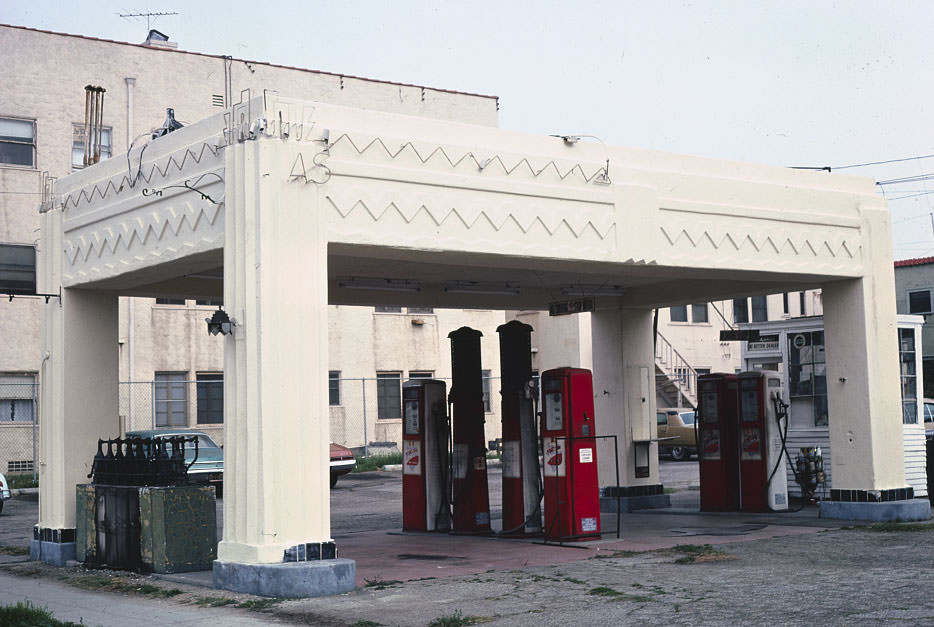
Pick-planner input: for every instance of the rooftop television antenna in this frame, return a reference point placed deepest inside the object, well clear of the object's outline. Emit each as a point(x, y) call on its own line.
point(148, 16)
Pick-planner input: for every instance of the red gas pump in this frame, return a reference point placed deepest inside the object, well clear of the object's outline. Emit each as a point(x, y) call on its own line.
point(717, 446)
point(425, 460)
point(470, 495)
point(740, 447)
point(522, 489)
point(571, 482)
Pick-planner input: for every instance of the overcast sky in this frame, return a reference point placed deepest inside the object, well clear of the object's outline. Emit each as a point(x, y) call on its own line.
point(788, 82)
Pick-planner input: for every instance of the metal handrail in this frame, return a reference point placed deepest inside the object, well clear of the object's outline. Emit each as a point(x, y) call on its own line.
point(677, 369)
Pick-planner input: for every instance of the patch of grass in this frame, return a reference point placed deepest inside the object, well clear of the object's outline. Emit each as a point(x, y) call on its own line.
point(375, 462)
point(381, 584)
point(259, 605)
point(573, 580)
point(25, 614)
point(213, 601)
point(697, 553)
point(20, 481)
point(117, 584)
point(366, 623)
point(616, 595)
point(14, 550)
point(458, 620)
point(896, 526)
point(669, 490)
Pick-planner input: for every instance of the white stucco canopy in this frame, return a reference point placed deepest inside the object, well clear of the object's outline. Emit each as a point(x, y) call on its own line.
point(284, 206)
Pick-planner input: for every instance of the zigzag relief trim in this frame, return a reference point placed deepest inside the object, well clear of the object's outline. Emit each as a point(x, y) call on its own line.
point(119, 266)
point(88, 194)
point(481, 164)
point(140, 230)
point(479, 216)
point(765, 242)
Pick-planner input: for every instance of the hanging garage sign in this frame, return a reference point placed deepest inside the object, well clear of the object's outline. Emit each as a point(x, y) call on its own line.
point(17, 269)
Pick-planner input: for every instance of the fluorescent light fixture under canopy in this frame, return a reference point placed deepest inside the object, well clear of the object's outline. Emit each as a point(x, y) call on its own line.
point(385, 285)
point(478, 287)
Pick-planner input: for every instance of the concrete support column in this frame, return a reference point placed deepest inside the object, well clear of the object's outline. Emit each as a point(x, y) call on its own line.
point(277, 539)
point(624, 404)
point(863, 390)
point(78, 395)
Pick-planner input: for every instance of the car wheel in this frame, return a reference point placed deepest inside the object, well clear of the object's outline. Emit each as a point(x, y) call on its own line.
point(333, 480)
point(679, 453)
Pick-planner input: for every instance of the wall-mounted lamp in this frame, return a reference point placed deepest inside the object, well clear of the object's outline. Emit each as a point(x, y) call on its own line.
point(602, 178)
point(221, 323)
point(477, 287)
point(385, 285)
point(581, 289)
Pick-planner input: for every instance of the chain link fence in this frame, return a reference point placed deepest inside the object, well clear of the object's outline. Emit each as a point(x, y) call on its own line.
point(365, 413)
point(19, 428)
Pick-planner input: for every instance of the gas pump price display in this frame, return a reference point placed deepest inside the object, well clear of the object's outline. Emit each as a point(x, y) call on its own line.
point(553, 409)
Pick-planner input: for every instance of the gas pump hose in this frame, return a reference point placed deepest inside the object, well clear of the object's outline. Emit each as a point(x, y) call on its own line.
point(781, 411)
point(537, 512)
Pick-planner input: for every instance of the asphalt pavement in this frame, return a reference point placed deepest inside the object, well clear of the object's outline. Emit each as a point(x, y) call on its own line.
point(670, 567)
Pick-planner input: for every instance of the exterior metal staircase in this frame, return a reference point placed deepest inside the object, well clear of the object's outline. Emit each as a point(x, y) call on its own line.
point(675, 379)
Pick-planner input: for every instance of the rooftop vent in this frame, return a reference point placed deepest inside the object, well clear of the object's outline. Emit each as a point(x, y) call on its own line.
point(156, 39)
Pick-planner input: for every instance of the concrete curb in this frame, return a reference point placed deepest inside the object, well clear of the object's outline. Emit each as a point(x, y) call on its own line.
point(22, 491)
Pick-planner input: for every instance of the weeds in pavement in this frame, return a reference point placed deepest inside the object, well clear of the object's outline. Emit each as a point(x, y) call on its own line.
point(375, 462)
point(897, 526)
point(458, 620)
point(616, 595)
point(213, 601)
point(25, 614)
point(366, 623)
point(697, 553)
point(258, 605)
point(117, 584)
point(14, 550)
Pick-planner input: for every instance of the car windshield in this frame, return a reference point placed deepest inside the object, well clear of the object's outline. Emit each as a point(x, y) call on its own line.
point(687, 417)
point(203, 442)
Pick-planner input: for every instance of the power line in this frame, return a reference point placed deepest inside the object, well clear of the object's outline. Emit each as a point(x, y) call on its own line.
point(862, 165)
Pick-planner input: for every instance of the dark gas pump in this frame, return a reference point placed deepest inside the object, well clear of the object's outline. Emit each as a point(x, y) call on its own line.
point(470, 492)
point(522, 489)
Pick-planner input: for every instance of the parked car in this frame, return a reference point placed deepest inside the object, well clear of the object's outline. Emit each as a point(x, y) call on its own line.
point(929, 418)
point(342, 462)
point(676, 435)
point(209, 467)
point(4, 491)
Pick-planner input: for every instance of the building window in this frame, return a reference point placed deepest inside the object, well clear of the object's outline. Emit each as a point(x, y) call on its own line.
point(679, 313)
point(785, 309)
point(699, 313)
point(77, 146)
point(740, 310)
point(420, 310)
point(389, 395)
point(802, 302)
point(807, 378)
point(171, 399)
point(487, 405)
point(208, 303)
point(16, 398)
point(421, 375)
point(170, 301)
point(387, 309)
point(760, 308)
point(210, 389)
point(334, 387)
point(17, 269)
point(919, 302)
point(18, 142)
point(909, 376)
